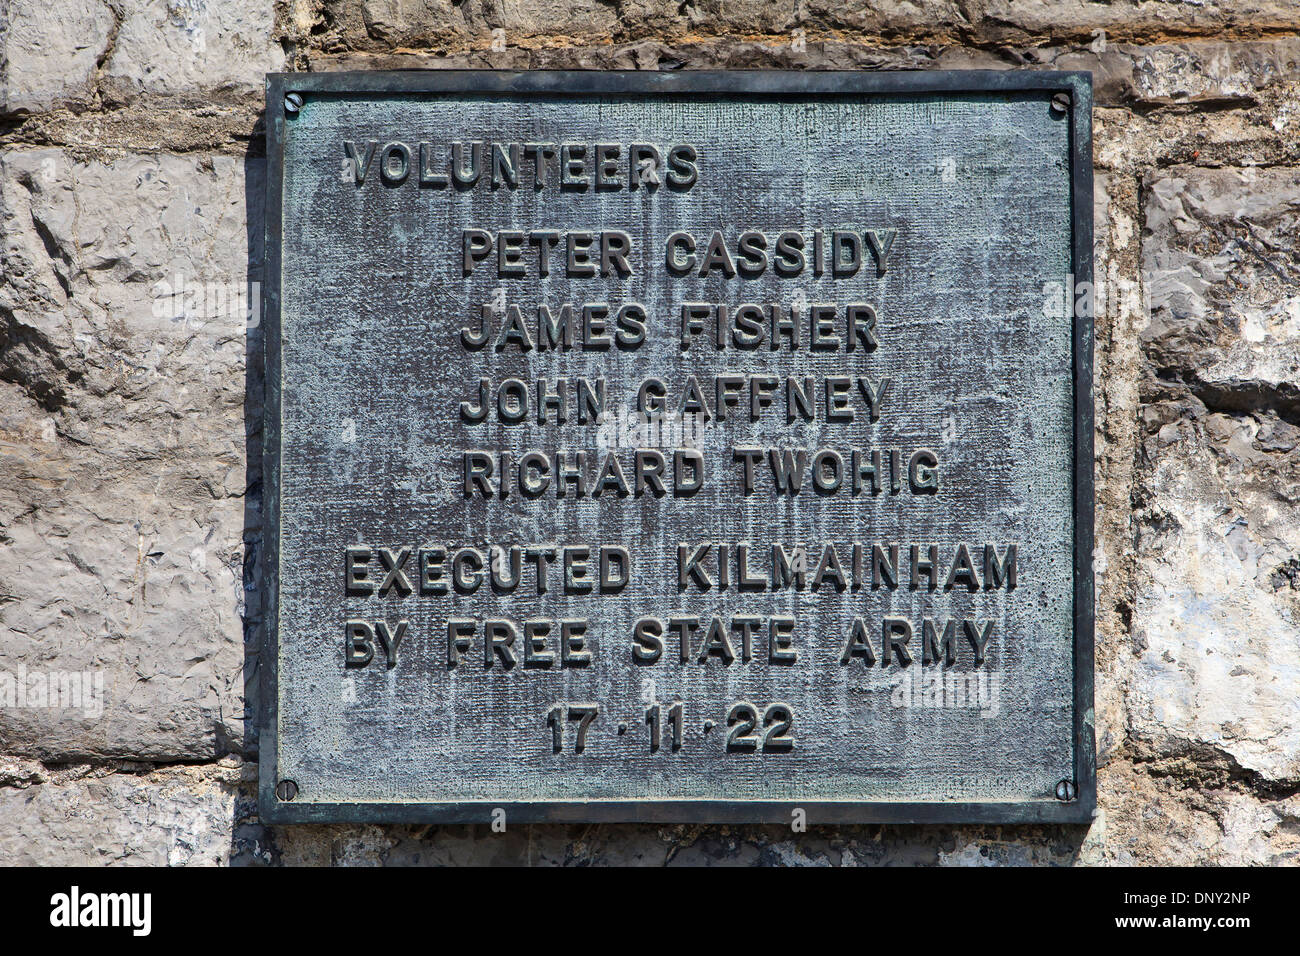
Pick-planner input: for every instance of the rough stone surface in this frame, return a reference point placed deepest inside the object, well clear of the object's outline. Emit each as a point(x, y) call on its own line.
point(86, 815)
point(77, 54)
point(1223, 285)
point(122, 505)
point(1217, 619)
point(383, 24)
point(130, 139)
point(196, 49)
point(50, 51)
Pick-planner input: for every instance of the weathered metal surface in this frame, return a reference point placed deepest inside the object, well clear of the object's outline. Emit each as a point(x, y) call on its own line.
point(983, 182)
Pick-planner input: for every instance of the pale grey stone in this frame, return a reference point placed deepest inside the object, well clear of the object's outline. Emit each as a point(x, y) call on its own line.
point(1217, 619)
point(1224, 292)
point(1200, 72)
point(122, 489)
point(1214, 72)
point(400, 21)
point(192, 49)
point(172, 818)
point(49, 52)
point(1150, 20)
point(382, 25)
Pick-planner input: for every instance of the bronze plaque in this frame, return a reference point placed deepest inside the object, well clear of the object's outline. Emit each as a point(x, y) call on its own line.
point(692, 447)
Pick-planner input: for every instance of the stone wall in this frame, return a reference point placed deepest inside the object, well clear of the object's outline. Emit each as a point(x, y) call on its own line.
point(131, 163)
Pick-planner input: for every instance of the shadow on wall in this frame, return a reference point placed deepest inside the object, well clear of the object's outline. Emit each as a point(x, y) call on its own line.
point(545, 844)
point(254, 388)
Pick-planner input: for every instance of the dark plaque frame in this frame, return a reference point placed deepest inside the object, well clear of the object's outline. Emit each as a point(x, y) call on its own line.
point(1077, 799)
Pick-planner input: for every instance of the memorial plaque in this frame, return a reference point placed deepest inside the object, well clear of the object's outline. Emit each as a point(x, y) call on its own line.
point(678, 447)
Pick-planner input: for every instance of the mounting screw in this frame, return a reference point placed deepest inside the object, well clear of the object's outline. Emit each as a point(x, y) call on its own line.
point(292, 102)
point(286, 790)
point(1061, 103)
point(1065, 791)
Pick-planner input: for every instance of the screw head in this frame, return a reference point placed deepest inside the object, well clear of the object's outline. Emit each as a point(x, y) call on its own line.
point(1066, 791)
point(292, 102)
point(1061, 104)
point(286, 790)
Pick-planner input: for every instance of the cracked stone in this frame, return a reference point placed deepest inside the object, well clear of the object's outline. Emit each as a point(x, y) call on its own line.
point(50, 52)
point(124, 330)
point(194, 50)
point(1224, 288)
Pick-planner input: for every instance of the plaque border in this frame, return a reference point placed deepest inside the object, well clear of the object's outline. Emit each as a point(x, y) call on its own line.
point(1076, 84)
